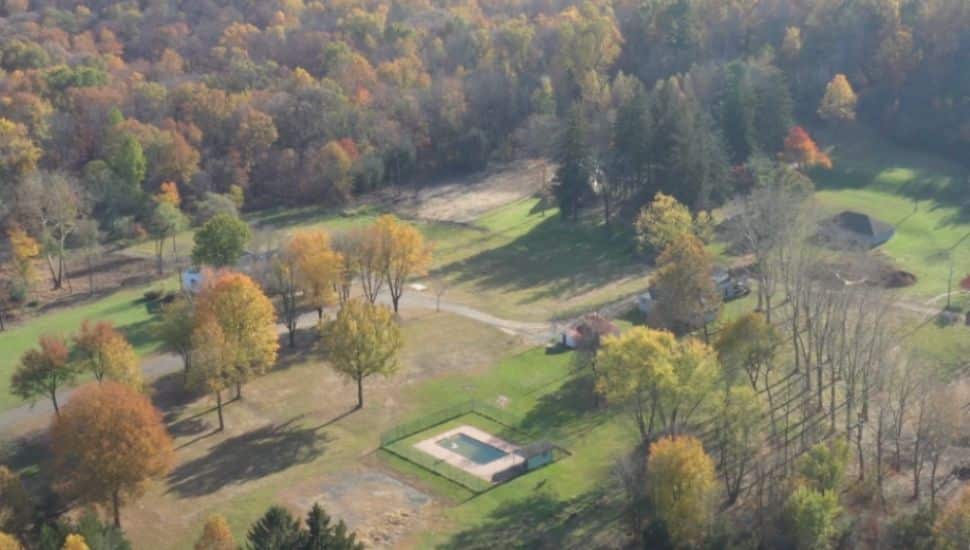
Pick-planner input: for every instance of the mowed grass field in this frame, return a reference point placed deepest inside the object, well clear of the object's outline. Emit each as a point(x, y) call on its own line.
point(517, 261)
point(124, 308)
point(294, 440)
point(926, 198)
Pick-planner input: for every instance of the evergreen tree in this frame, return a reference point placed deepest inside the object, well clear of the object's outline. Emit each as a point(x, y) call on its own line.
point(572, 182)
point(323, 535)
point(276, 530)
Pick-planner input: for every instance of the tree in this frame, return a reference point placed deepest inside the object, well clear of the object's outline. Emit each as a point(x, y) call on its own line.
point(323, 535)
point(661, 222)
point(75, 542)
point(361, 249)
point(686, 294)
point(103, 351)
point(739, 436)
point(18, 152)
point(175, 329)
point(952, 528)
point(213, 362)
point(362, 341)
point(43, 370)
point(747, 345)
point(16, 510)
point(109, 442)
point(216, 535)
point(221, 241)
point(838, 103)
point(317, 266)
point(57, 203)
point(23, 249)
point(128, 162)
point(801, 150)
point(572, 181)
point(682, 488)
point(8, 542)
point(88, 238)
point(247, 320)
point(403, 252)
point(811, 517)
point(165, 223)
point(276, 530)
point(823, 466)
point(632, 368)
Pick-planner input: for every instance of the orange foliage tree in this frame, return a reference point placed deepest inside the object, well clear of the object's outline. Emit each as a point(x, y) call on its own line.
point(43, 370)
point(108, 444)
point(216, 535)
point(104, 351)
point(403, 254)
point(801, 149)
point(247, 320)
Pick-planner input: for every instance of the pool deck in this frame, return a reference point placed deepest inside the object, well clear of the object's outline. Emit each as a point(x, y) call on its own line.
point(484, 471)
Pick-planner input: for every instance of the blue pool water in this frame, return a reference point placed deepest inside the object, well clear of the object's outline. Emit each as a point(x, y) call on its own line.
point(477, 451)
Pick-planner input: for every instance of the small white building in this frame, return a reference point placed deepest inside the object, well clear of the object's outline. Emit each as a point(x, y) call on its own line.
point(192, 279)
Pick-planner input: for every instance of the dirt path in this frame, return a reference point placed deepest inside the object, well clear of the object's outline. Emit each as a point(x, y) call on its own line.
point(159, 365)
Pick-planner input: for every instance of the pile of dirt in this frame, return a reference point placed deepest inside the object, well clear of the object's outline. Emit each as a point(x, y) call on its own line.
point(899, 279)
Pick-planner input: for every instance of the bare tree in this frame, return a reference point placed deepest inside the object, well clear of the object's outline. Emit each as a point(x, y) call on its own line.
point(54, 204)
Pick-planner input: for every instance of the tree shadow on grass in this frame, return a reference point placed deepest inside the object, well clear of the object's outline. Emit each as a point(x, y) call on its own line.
point(250, 456)
point(540, 521)
point(143, 333)
point(569, 411)
point(556, 258)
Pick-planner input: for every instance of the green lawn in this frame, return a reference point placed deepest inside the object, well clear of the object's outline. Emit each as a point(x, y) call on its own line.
point(125, 309)
point(924, 197)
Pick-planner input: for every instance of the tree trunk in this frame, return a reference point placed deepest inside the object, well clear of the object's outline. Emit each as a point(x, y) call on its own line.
point(159, 252)
point(360, 392)
point(320, 313)
point(90, 275)
point(395, 298)
point(116, 504)
point(222, 425)
point(57, 410)
point(239, 390)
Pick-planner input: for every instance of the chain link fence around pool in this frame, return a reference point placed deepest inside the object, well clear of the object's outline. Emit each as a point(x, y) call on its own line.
point(415, 457)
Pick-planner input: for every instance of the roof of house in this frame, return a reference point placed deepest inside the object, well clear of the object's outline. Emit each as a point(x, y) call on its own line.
point(860, 224)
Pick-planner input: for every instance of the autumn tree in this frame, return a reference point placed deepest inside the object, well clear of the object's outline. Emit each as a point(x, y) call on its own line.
point(632, 369)
point(18, 152)
point(362, 341)
point(16, 510)
point(221, 241)
point(682, 488)
point(57, 203)
point(44, 370)
point(247, 321)
point(108, 444)
point(739, 419)
point(661, 222)
point(175, 329)
point(686, 294)
point(23, 249)
point(106, 353)
point(838, 103)
point(213, 362)
point(748, 345)
point(403, 254)
point(362, 252)
point(8, 542)
point(801, 150)
point(216, 535)
point(75, 542)
point(317, 267)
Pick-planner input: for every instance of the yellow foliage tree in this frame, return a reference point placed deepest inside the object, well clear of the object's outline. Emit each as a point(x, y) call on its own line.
point(24, 249)
point(664, 220)
point(634, 367)
point(103, 351)
point(216, 535)
point(7, 542)
point(318, 266)
point(247, 320)
point(839, 101)
point(687, 295)
point(75, 542)
point(403, 253)
point(213, 362)
point(682, 488)
point(362, 341)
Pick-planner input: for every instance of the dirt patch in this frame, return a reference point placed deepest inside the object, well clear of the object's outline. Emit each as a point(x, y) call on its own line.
point(380, 509)
point(464, 199)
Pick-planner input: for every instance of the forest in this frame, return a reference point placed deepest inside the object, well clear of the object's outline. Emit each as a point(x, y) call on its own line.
point(687, 342)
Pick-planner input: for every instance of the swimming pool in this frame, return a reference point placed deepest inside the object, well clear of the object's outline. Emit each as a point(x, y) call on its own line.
point(477, 451)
